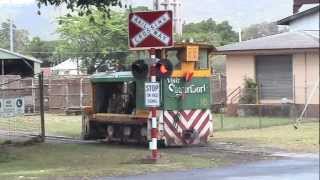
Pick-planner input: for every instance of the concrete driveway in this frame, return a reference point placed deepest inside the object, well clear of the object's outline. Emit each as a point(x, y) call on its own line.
point(289, 167)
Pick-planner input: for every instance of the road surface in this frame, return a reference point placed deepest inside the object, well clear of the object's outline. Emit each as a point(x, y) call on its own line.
point(290, 167)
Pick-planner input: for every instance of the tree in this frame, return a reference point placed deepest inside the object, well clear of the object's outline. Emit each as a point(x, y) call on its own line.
point(20, 37)
point(209, 31)
point(83, 7)
point(42, 50)
point(260, 30)
point(93, 41)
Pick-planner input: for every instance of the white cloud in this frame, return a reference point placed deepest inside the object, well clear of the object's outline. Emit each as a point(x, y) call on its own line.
point(16, 2)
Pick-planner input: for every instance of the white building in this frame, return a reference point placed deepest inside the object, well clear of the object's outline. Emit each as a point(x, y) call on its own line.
point(176, 7)
point(306, 20)
point(67, 67)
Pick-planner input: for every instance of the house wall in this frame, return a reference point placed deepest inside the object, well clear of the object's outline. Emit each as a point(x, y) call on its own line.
point(310, 22)
point(306, 74)
point(238, 67)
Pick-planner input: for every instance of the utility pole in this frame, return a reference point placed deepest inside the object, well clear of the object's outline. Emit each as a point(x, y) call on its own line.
point(11, 34)
point(240, 35)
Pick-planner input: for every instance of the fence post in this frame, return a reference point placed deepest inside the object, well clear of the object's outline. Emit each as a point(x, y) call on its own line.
point(257, 94)
point(33, 95)
point(260, 120)
point(81, 93)
point(221, 120)
point(67, 95)
point(43, 134)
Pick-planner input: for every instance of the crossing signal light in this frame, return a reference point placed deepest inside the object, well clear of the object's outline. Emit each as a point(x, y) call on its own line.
point(139, 69)
point(164, 68)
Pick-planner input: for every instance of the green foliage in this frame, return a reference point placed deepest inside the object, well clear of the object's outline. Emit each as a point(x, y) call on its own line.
point(83, 7)
point(20, 37)
point(260, 30)
point(249, 92)
point(43, 50)
point(208, 31)
point(218, 63)
point(140, 8)
point(93, 39)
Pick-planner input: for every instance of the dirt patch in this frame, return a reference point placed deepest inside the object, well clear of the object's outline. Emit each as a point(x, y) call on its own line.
point(226, 153)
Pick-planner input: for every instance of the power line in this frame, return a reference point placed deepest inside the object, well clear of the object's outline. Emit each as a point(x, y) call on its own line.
point(90, 52)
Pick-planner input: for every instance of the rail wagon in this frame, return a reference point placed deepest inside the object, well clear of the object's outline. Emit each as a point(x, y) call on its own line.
point(118, 111)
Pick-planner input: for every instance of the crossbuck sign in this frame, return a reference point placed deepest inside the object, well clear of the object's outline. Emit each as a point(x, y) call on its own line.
point(150, 29)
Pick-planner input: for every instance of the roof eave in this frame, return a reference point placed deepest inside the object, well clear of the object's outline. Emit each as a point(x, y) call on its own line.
point(21, 56)
point(287, 20)
point(267, 51)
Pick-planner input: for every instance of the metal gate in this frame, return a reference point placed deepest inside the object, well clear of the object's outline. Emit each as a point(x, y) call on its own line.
point(274, 75)
point(21, 107)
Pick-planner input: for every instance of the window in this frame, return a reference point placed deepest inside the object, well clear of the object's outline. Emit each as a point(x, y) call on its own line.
point(175, 56)
point(203, 59)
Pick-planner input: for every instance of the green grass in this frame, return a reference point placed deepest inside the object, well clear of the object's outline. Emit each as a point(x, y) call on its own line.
point(304, 139)
point(221, 122)
point(60, 160)
point(55, 124)
point(79, 160)
point(63, 125)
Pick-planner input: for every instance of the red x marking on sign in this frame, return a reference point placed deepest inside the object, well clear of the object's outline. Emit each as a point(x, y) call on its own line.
point(150, 29)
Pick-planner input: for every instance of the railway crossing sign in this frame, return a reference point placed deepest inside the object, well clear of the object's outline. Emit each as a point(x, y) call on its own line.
point(151, 29)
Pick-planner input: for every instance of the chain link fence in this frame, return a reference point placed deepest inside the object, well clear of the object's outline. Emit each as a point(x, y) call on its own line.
point(246, 108)
point(20, 111)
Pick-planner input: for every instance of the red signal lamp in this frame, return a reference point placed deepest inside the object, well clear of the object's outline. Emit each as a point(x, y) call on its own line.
point(164, 68)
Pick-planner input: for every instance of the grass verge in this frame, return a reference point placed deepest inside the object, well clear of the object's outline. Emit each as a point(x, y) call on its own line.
point(79, 160)
point(63, 125)
point(303, 139)
point(222, 122)
point(55, 124)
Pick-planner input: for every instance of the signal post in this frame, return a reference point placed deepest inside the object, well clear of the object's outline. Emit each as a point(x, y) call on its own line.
point(153, 110)
point(150, 31)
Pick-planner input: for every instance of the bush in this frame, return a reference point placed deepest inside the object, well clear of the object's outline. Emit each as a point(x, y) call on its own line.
point(249, 92)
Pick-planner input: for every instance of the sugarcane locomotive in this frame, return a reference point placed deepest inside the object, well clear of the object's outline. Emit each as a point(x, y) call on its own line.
point(118, 111)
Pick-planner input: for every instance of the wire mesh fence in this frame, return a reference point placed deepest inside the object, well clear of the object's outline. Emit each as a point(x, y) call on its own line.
point(19, 107)
point(247, 108)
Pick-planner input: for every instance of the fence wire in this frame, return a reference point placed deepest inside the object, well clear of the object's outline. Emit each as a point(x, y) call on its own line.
point(249, 108)
point(19, 107)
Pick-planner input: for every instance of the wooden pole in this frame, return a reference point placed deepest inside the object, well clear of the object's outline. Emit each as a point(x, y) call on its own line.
point(43, 134)
point(81, 93)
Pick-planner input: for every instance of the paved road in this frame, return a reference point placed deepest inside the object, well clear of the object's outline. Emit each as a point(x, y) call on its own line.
point(291, 167)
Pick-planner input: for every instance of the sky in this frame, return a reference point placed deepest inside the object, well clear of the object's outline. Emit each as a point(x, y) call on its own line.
point(239, 13)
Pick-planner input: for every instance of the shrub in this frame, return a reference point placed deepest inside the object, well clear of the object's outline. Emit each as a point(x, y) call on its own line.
point(249, 92)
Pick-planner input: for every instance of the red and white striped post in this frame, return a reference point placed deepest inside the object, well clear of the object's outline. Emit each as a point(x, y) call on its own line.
point(153, 110)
